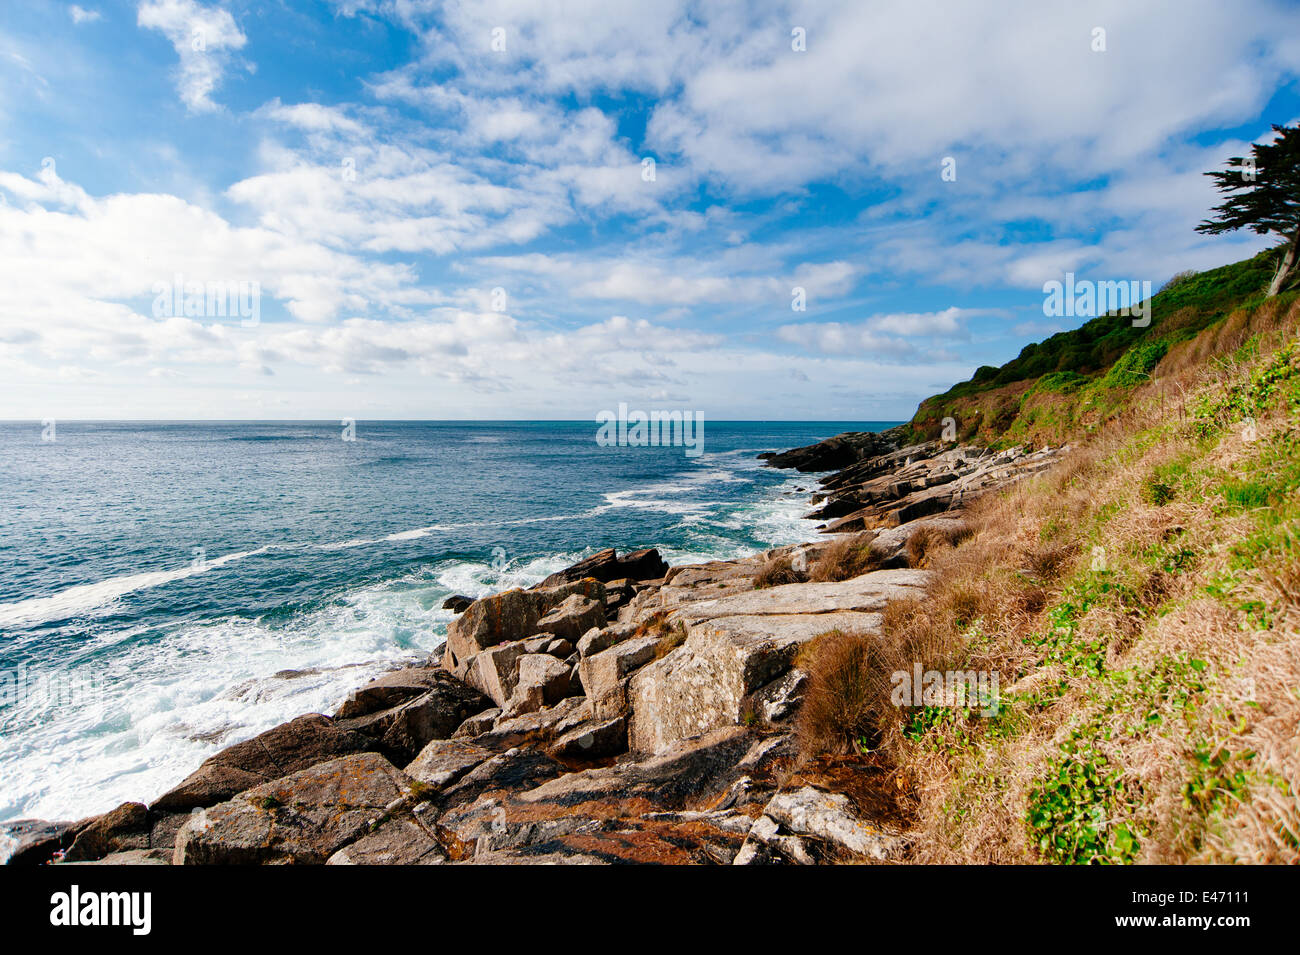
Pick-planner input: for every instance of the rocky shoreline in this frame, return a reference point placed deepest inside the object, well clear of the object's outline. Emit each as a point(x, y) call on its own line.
point(619, 711)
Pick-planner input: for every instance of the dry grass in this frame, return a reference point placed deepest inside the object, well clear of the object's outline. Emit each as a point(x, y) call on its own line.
point(1157, 554)
point(929, 539)
point(847, 557)
point(846, 684)
point(777, 571)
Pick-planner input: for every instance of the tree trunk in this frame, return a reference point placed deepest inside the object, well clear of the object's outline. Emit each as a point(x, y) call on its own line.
point(1284, 267)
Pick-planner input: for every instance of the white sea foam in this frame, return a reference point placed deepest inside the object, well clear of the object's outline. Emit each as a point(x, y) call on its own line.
point(87, 598)
point(171, 701)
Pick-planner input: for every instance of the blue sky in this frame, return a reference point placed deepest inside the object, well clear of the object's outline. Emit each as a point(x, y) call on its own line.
point(446, 210)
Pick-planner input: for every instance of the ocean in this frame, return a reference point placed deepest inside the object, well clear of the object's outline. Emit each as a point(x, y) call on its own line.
point(168, 589)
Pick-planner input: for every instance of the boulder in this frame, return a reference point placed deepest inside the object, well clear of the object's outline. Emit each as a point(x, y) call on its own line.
point(286, 749)
point(123, 828)
point(867, 593)
point(810, 825)
point(542, 681)
point(444, 761)
point(709, 681)
point(403, 731)
point(607, 566)
point(476, 724)
point(604, 674)
point(392, 689)
point(304, 818)
point(592, 739)
point(512, 615)
point(402, 841)
point(34, 841)
point(597, 639)
point(457, 603)
point(573, 617)
point(494, 671)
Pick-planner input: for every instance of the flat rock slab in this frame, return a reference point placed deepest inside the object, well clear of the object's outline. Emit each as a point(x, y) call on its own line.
point(400, 841)
point(444, 761)
point(303, 818)
point(869, 592)
point(287, 748)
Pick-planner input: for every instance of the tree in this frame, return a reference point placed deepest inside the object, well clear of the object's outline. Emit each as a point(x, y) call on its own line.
point(1263, 196)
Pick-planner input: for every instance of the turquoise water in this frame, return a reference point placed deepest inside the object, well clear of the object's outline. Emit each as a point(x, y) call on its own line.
point(169, 589)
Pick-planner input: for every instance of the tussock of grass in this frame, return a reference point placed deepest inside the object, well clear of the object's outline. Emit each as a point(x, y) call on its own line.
point(777, 571)
point(847, 557)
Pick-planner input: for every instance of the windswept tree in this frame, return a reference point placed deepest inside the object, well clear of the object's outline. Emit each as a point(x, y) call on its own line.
point(1263, 195)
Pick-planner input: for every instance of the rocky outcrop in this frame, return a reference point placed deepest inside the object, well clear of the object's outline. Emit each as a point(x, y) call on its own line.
point(305, 817)
point(621, 711)
point(506, 617)
point(287, 748)
point(404, 710)
point(837, 453)
point(606, 566)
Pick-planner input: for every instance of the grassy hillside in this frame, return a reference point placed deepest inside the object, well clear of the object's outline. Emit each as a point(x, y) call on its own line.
point(1140, 601)
point(1076, 379)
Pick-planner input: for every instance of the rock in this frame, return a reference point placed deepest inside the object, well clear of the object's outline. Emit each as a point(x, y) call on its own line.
point(834, 453)
point(606, 566)
point(508, 616)
point(130, 857)
point(597, 639)
point(404, 730)
point(708, 681)
point(34, 841)
point(494, 671)
point(559, 647)
point(533, 727)
point(826, 817)
point(163, 829)
point(126, 827)
point(542, 681)
point(866, 593)
point(457, 603)
point(396, 842)
point(592, 740)
point(444, 761)
point(286, 749)
point(476, 724)
point(780, 699)
point(604, 675)
point(515, 770)
point(392, 689)
point(304, 818)
point(692, 770)
point(573, 617)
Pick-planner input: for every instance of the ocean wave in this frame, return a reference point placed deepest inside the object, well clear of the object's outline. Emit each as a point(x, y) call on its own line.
point(89, 598)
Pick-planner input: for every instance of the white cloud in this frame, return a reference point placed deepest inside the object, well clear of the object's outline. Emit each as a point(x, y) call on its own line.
point(81, 15)
point(203, 38)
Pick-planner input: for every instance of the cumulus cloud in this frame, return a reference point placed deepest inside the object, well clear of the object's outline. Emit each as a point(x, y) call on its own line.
point(203, 38)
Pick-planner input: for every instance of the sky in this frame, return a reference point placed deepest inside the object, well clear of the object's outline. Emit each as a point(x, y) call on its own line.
point(387, 209)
